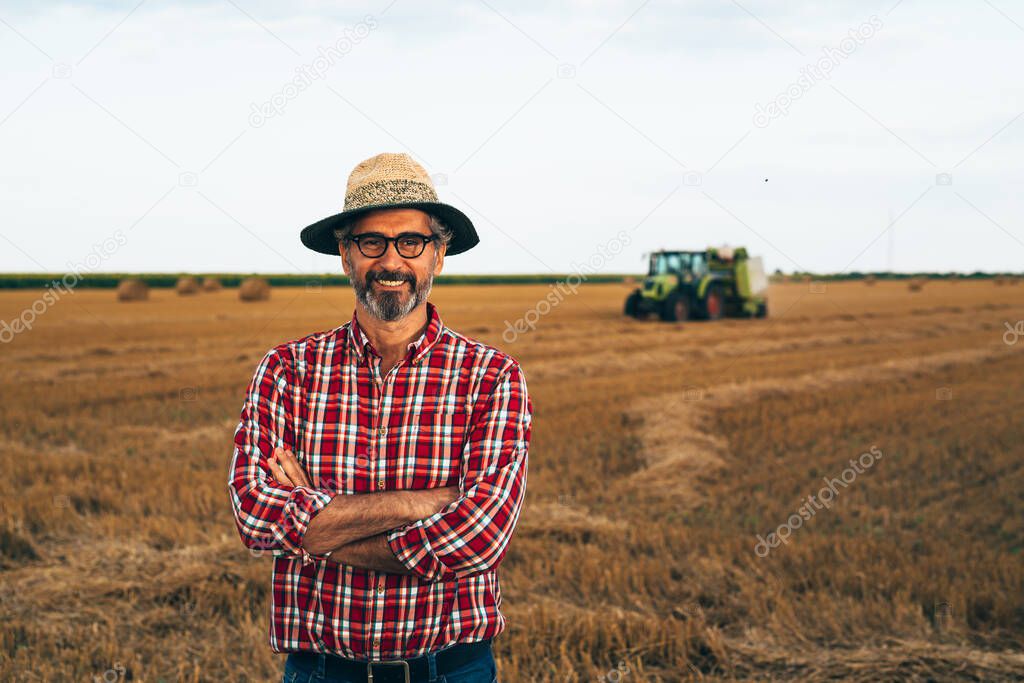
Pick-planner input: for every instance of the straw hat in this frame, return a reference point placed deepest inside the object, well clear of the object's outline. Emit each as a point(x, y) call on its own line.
point(390, 181)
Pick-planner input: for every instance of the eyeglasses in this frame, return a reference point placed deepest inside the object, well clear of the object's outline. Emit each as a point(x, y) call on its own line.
point(408, 245)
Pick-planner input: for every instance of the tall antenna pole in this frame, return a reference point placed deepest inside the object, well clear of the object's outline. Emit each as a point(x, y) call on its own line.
point(892, 236)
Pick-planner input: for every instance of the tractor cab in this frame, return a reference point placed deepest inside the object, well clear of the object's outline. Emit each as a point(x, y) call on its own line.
point(683, 263)
point(670, 270)
point(705, 284)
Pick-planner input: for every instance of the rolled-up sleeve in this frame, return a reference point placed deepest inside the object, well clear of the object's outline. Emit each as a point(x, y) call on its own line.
point(270, 516)
point(472, 534)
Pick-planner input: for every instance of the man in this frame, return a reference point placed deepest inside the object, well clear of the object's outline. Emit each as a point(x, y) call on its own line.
point(383, 463)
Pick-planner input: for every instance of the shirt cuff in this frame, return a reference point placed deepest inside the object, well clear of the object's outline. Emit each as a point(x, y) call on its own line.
point(412, 548)
point(303, 504)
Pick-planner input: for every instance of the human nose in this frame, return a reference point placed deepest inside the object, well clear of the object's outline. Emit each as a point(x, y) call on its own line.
point(391, 257)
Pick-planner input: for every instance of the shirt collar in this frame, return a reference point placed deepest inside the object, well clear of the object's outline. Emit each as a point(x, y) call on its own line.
point(360, 342)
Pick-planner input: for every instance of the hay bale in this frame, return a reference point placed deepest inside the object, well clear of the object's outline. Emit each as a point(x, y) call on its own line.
point(254, 289)
point(869, 280)
point(211, 284)
point(998, 281)
point(187, 285)
point(915, 285)
point(132, 289)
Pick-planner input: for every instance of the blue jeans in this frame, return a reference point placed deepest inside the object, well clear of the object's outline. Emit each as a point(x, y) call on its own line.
point(480, 670)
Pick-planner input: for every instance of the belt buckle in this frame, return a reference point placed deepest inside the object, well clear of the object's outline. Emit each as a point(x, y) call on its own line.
point(396, 662)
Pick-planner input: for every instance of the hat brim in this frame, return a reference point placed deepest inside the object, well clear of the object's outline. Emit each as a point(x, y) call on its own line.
point(320, 235)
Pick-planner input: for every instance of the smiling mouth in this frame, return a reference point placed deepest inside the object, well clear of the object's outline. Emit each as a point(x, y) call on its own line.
point(390, 283)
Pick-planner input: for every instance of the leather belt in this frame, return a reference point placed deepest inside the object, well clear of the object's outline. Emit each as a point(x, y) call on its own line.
point(392, 670)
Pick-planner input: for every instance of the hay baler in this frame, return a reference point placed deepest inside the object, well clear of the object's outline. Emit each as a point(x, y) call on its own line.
point(705, 285)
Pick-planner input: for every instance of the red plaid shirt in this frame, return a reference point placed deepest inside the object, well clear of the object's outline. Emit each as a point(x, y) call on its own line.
point(453, 412)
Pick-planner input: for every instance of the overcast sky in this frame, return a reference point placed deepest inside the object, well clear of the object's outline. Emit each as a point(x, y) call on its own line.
point(557, 127)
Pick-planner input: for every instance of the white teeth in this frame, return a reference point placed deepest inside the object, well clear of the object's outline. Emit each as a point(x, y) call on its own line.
point(391, 283)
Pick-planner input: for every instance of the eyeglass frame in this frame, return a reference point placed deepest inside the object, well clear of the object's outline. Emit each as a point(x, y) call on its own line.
point(427, 239)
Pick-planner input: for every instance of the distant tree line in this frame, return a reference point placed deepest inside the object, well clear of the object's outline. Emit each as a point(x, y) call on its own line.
point(168, 280)
point(779, 276)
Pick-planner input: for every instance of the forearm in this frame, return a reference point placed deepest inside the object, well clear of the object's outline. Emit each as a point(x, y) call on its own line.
point(370, 553)
point(351, 517)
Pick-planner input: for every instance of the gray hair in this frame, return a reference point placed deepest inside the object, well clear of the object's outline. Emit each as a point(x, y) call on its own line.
point(437, 227)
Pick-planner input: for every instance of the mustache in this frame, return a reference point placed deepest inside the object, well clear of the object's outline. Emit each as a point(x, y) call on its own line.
point(391, 275)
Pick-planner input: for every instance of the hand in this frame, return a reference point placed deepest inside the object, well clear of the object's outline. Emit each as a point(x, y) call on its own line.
point(425, 502)
point(287, 470)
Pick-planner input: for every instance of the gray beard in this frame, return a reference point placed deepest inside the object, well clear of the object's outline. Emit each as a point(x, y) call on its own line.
point(388, 306)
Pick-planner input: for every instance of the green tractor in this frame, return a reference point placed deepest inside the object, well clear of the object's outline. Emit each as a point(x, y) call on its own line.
point(703, 285)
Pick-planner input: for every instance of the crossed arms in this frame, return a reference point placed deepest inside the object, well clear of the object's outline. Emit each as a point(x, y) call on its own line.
point(352, 526)
point(435, 534)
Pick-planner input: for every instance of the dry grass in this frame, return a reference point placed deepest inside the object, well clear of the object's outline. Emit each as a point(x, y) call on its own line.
point(659, 452)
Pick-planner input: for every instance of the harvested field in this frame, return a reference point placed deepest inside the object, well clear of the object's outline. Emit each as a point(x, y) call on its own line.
point(660, 454)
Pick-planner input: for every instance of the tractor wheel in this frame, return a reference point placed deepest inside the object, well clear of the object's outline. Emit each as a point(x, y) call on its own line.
point(714, 304)
point(762, 310)
point(632, 307)
point(675, 308)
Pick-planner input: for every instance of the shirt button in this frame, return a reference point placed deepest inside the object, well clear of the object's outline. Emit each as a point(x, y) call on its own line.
point(383, 431)
point(380, 484)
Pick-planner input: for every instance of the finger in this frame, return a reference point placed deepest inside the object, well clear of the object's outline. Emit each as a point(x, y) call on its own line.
point(279, 473)
point(275, 470)
point(293, 469)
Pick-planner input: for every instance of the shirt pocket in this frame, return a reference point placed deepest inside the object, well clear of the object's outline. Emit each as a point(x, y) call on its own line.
point(441, 433)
